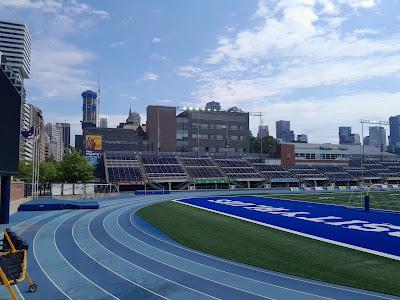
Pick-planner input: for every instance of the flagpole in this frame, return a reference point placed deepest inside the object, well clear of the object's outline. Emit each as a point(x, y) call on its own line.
point(33, 168)
point(37, 165)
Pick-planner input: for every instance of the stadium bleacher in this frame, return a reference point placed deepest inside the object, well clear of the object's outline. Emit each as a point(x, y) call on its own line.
point(238, 169)
point(139, 168)
point(158, 168)
point(202, 168)
point(122, 168)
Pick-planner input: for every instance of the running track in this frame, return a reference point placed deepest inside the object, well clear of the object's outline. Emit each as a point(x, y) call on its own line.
point(110, 253)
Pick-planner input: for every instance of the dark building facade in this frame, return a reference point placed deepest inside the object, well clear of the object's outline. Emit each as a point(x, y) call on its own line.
point(66, 134)
point(213, 131)
point(394, 138)
point(161, 128)
point(283, 131)
point(89, 109)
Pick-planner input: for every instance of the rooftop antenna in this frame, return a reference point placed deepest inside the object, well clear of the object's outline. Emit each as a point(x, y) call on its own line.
point(98, 99)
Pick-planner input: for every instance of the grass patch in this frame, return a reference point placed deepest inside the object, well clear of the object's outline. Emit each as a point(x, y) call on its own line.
point(273, 249)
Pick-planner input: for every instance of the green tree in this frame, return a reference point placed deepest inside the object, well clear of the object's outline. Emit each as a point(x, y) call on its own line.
point(49, 172)
point(75, 168)
point(25, 171)
point(269, 144)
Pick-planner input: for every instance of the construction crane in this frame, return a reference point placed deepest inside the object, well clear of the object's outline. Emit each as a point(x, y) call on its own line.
point(98, 100)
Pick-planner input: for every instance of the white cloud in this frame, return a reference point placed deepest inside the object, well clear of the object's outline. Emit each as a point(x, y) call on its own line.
point(117, 44)
point(58, 69)
point(361, 3)
point(150, 76)
point(188, 71)
point(156, 40)
point(72, 7)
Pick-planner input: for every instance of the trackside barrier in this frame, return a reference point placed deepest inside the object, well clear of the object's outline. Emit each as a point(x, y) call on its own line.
point(342, 188)
point(13, 262)
point(318, 188)
point(152, 192)
point(294, 189)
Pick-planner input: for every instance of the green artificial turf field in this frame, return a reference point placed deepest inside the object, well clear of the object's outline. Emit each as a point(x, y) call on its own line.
point(273, 249)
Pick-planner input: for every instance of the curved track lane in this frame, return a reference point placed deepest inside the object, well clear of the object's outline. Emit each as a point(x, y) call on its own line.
point(111, 253)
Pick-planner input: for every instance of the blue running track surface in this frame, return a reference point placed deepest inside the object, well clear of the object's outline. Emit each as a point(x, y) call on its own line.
point(111, 253)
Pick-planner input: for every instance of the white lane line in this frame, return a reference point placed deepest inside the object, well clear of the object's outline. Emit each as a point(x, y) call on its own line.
point(64, 217)
point(94, 215)
point(39, 264)
point(262, 270)
point(25, 225)
point(174, 267)
point(224, 271)
point(130, 263)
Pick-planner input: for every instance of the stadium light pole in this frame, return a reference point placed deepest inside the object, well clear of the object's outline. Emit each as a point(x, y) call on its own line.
point(158, 130)
point(198, 132)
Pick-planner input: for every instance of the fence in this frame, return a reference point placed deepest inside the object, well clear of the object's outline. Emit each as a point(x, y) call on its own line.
point(80, 190)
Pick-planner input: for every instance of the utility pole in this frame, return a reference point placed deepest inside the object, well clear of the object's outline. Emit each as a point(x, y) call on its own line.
point(260, 115)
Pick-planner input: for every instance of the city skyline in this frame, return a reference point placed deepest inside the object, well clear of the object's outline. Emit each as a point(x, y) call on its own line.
point(162, 64)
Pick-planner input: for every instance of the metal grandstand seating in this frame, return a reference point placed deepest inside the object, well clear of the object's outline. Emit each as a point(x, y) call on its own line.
point(239, 169)
point(306, 173)
point(163, 169)
point(335, 173)
point(202, 168)
point(122, 168)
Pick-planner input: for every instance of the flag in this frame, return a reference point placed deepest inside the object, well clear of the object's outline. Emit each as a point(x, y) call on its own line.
point(28, 133)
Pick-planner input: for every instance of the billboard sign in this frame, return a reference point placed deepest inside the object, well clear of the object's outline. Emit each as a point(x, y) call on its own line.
point(93, 142)
point(10, 115)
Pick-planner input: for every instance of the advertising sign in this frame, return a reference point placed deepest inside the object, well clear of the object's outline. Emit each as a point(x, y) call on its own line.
point(93, 142)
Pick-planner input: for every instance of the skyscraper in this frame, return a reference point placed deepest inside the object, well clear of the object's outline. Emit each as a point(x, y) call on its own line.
point(377, 137)
point(344, 134)
point(15, 45)
point(302, 138)
point(103, 123)
point(56, 146)
point(283, 131)
point(133, 119)
point(394, 138)
point(89, 109)
point(262, 131)
point(66, 134)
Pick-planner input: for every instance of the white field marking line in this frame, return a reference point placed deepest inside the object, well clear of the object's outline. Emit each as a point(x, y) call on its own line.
point(300, 233)
point(327, 285)
point(55, 244)
point(184, 271)
point(355, 290)
point(129, 262)
point(329, 204)
point(338, 205)
point(207, 266)
point(138, 285)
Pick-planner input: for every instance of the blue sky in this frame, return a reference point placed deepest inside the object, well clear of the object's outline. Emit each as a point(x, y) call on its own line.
point(318, 63)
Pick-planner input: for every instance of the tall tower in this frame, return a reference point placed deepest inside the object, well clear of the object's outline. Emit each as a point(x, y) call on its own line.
point(89, 109)
point(15, 45)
